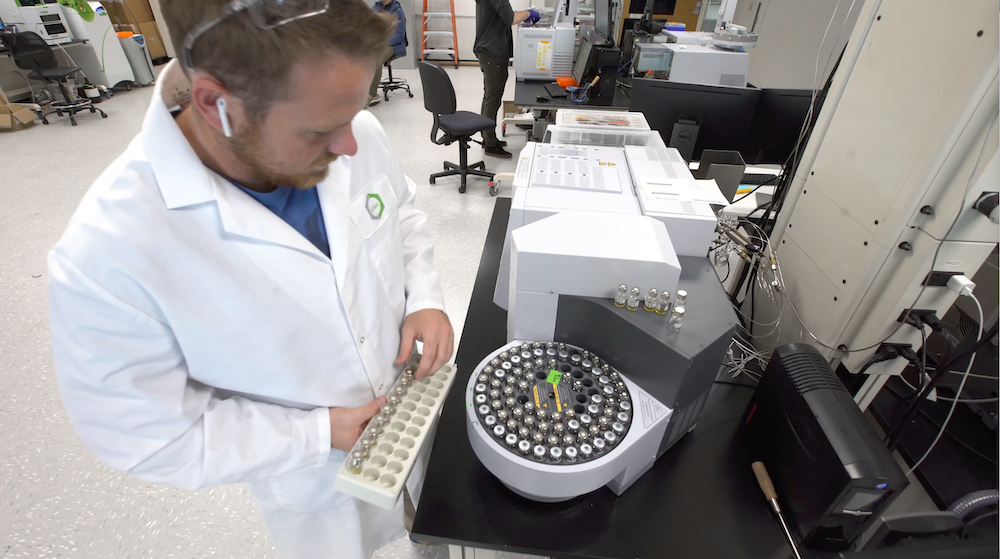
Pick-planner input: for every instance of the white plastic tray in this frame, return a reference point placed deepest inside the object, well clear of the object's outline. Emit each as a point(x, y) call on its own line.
point(388, 461)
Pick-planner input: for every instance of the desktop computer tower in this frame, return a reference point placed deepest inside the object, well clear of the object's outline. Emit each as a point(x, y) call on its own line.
point(832, 473)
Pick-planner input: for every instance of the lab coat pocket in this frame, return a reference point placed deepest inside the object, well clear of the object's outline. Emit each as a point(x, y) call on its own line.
point(311, 489)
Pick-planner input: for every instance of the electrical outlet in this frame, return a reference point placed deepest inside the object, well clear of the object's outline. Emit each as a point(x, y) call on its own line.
point(940, 279)
point(922, 316)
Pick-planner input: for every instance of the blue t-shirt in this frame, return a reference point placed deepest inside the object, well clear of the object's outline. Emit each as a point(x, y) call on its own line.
point(298, 208)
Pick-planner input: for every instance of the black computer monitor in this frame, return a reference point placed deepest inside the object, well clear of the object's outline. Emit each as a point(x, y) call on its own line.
point(722, 114)
point(602, 17)
point(582, 57)
point(776, 124)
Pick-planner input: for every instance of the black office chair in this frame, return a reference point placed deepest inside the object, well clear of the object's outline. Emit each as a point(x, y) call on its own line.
point(392, 84)
point(31, 52)
point(457, 126)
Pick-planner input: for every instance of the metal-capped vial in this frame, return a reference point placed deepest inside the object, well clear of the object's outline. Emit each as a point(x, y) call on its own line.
point(599, 445)
point(610, 402)
point(522, 385)
point(512, 425)
point(518, 412)
point(490, 421)
point(538, 438)
point(575, 359)
point(511, 440)
point(510, 401)
point(652, 300)
point(495, 393)
point(625, 405)
point(357, 458)
point(663, 305)
point(495, 383)
point(558, 428)
point(622, 297)
point(577, 386)
point(483, 378)
point(605, 368)
point(681, 298)
point(586, 450)
point(594, 429)
point(529, 421)
point(495, 362)
point(526, 353)
point(604, 421)
point(517, 373)
point(553, 440)
point(539, 452)
point(583, 435)
point(496, 404)
point(608, 411)
point(568, 439)
point(483, 409)
point(504, 355)
point(593, 409)
point(611, 437)
point(539, 362)
point(573, 425)
point(555, 454)
point(538, 352)
point(506, 366)
point(387, 409)
point(570, 413)
point(618, 427)
point(563, 354)
point(529, 408)
point(399, 390)
point(502, 415)
point(551, 352)
point(515, 359)
point(544, 426)
point(499, 431)
point(676, 318)
point(508, 391)
point(481, 399)
point(524, 432)
point(524, 447)
point(541, 414)
point(536, 345)
point(633, 300)
point(481, 387)
point(586, 365)
point(597, 398)
point(488, 370)
point(608, 390)
point(571, 453)
point(622, 416)
point(604, 379)
point(585, 419)
point(552, 364)
point(557, 416)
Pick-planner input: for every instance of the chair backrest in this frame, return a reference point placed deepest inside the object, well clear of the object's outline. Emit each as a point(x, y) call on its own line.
point(30, 51)
point(439, 94)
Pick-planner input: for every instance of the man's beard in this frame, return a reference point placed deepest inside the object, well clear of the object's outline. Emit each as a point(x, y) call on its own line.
point(249, 151)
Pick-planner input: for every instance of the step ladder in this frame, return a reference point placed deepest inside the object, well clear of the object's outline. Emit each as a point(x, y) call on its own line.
point(427, 49)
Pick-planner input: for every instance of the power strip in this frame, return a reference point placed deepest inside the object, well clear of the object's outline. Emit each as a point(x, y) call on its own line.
point(377, 467)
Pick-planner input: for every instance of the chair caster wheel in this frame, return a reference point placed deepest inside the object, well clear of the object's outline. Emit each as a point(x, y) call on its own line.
point(461, 189)
point(432, 180)
point(59, 113)
point(494, 189)
point(411, 96)
point(45, 121)
point(104, 115)
point(93, 110)
point(445, 166)
point(76, 124)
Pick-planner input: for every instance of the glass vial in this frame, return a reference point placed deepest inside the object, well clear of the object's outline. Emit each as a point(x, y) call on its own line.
point(622, 296)
point(664, 304)
point(676, 319)
point(681, 299)
point(652, 301)
point(633, 300)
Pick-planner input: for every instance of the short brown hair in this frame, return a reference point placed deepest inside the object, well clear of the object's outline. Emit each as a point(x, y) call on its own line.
point(251, 61)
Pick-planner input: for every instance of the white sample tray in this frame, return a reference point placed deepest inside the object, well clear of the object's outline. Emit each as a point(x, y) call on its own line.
point(392, 450)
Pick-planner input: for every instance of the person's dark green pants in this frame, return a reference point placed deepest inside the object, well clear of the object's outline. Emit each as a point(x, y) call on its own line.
point(494, 81)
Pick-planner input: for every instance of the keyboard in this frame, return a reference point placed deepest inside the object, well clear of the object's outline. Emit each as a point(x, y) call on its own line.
point(555, 90)
point(756, 179)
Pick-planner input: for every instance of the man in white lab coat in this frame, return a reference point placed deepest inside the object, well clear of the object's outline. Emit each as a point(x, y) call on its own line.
point(237, 292)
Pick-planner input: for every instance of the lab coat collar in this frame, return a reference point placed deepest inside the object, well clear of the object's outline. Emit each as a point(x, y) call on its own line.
point(185, 181)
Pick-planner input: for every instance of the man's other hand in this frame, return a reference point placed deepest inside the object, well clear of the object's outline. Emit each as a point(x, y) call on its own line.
point(432, 327)
point(347, 424)
point(533, 16)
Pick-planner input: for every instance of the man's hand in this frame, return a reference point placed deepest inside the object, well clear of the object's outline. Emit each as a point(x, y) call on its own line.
point(432, 327)
point(347, 424)
point(533, 16)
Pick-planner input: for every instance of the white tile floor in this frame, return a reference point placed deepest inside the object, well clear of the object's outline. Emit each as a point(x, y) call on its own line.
point(56, 500)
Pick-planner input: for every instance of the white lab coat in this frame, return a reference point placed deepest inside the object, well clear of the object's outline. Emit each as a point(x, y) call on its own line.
point(199, 339)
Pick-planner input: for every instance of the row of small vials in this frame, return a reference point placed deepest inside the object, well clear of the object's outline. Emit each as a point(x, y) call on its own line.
point(658, 302)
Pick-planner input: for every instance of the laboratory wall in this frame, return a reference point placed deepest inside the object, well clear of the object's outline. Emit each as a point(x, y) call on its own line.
point(792, 35)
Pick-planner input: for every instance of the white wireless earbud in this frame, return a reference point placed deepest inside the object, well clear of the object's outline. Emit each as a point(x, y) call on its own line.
point(227, 129)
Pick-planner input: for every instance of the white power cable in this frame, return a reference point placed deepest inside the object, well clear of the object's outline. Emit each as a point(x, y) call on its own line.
point(954, 403)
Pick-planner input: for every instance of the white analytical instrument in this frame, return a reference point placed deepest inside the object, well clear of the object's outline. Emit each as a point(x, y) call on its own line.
point(545, 52)
point(104, 63)
point(45, 19)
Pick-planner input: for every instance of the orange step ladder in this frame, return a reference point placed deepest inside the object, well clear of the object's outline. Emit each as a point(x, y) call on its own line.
point(436, 49)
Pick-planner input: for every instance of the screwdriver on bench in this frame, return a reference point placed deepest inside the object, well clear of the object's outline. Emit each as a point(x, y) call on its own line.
point(764, 480)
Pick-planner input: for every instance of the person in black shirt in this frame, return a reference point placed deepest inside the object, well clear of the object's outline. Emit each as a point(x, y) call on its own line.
point(494, 46)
